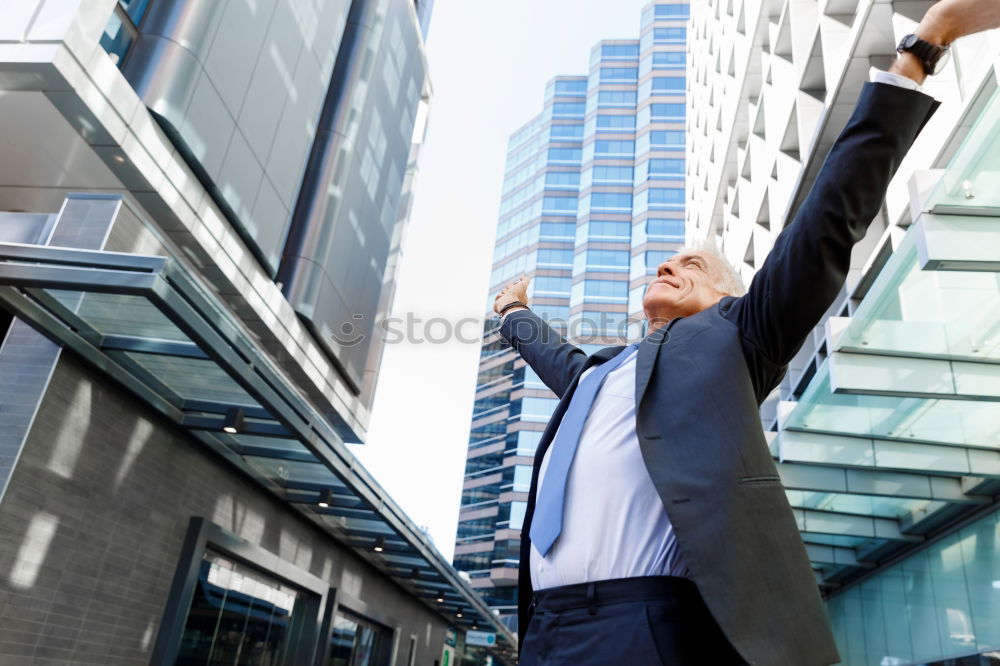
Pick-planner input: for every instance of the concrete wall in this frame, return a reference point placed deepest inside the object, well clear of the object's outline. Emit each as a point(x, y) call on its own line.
point(93, 521)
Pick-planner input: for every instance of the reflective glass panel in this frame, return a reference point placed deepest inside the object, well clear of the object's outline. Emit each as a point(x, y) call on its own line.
point(239, 615)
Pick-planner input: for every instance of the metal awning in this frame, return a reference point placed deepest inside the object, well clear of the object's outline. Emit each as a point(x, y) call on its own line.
point(898, 433)
point(144, 321)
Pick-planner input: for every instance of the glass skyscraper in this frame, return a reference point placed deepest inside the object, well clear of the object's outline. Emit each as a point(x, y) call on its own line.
point(592, 202)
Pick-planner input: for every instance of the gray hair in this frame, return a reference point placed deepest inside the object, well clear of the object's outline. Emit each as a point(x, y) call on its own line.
point(728, 280)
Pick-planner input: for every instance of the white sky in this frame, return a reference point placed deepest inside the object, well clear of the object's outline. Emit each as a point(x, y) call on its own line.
point(489, 63)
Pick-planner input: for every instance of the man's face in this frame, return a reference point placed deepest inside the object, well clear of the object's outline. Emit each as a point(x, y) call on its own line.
point(684, 285)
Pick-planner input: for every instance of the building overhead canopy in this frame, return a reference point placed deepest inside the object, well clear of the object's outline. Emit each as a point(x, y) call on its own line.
point(145, 322)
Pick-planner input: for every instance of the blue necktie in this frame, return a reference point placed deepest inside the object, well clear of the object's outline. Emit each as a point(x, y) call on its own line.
point(547, 521)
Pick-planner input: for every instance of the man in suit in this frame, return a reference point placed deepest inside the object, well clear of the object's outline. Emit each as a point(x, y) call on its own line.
point(657, 529)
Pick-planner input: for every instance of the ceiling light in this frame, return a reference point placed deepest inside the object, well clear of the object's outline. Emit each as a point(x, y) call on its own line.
point(379, 544)
point(440, 597)
point(233, 421)
point(325, 499)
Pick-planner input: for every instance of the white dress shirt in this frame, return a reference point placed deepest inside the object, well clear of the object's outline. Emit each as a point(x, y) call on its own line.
point(614, 522)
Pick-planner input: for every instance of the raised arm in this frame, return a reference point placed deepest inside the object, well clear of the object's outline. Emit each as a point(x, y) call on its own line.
point(554, 360)
point(809, 262)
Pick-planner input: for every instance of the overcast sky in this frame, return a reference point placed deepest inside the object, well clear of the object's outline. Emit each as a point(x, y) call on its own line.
point(489, 63)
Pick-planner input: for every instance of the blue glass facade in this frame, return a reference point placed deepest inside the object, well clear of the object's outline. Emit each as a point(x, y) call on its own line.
point(592, 201)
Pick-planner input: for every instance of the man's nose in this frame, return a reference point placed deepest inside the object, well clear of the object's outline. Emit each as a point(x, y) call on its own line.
point(664, 269)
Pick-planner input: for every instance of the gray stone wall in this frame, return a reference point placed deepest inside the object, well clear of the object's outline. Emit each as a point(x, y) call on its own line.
point(93, 521)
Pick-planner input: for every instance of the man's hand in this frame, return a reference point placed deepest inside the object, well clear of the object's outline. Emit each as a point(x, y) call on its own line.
point(516, 291)
point(945, 22)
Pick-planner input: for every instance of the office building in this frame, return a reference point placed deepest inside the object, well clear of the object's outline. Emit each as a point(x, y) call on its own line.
point(202, 211)
point(592, 202)
point(886, 429)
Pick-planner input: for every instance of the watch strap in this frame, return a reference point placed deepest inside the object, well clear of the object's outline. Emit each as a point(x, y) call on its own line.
point(511, 306)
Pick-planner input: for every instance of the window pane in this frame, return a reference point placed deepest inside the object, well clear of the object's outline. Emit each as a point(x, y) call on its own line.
point(666, 138)
point(571, 87)
point(671, 60)
point(667, 35)
point(568, 108)
point(616, 122)
point(613, 259)
point(237, 613)
point(566, 132)
point(671, 229)
point(619, 73)
point(668, 84)
point(620, 51)
point(616, 98)
point(672, 11)
point(669, 111)
point(557, 230)
point(357, 641)
point(562, 178)
point(612, 174)
point(607, 229)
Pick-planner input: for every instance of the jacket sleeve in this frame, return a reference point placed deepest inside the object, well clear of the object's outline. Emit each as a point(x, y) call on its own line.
point(808, 264)
point(554, 360)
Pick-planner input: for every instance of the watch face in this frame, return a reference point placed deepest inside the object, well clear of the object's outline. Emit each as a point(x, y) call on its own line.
point(942, 61)
point(908, 41)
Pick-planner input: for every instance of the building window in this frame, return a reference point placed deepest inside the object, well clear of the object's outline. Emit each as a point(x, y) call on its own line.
point(123, 28)
point(670, 60)
point(666, 229)
point(625, 51)
point(610, 201)
point(238, 615)
point(612, 174)
point(568, 108)
point(576, 87)
point(357, 641)
point(566, 155)
point(619, 74)
point(668, 84)
point(611, 123)
point(666, 138)
point(607, 260)
point(557, 231)
point(616, 98)
point(552, 286)
point(562, 179)
point(566, 132)
point(614, 291)
point(672, 11)
point(559, 205)
point(614, 148)
point(668, 111)
point(669, 35)
point(607, 229)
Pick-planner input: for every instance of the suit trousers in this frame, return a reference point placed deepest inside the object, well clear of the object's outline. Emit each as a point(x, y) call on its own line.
point(648, 621)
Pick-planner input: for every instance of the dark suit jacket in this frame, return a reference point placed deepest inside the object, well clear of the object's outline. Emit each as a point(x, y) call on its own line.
point(699, 384)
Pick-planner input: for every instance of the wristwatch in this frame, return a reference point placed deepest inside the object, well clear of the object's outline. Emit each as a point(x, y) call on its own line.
point(932, 56)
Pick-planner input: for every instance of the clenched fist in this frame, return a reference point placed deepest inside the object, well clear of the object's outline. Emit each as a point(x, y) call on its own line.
point(516, 291)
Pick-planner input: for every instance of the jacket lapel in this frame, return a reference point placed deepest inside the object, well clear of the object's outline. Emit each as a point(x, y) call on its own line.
point(649, 348)
point(677, 331)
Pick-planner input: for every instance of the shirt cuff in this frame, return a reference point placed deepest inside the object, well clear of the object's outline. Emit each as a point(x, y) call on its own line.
point(876, 75)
